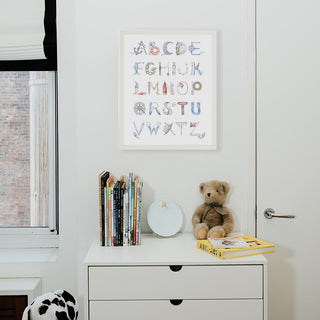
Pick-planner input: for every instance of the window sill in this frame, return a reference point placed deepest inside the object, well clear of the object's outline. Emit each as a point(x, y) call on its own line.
point(32, 238)
point(29, 255)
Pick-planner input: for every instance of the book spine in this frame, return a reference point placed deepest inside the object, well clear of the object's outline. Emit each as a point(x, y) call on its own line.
point(103, 177)
point(100, 206)
point(209, 249)
point(129, 209)
point(110, 218)
point(125, 219)
point(115, 208)
point(121, 217)
point(140, 213)
point(106, 216)
point(131, 213)
point(135, 214)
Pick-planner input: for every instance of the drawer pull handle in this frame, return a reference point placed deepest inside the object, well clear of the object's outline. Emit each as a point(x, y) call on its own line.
point(176, 302)
point(175, 268)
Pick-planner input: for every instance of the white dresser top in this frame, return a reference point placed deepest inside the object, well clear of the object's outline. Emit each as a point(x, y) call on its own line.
point(179, 250)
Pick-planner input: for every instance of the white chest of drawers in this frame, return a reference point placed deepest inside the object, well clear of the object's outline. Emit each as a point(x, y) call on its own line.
point(171, 279)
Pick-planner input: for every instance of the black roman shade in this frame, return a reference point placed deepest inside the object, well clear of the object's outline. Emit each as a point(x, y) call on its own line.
point(21, 56)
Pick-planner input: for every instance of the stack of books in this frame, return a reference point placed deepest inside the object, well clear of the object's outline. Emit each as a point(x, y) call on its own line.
point(120, 210)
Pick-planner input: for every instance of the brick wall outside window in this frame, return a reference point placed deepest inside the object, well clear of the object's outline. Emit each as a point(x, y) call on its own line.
point(14, 149)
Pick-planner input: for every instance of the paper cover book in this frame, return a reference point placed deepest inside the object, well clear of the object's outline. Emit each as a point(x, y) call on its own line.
point(234, 242)
point(108, 211)
point(256, 246)
point(103, 177)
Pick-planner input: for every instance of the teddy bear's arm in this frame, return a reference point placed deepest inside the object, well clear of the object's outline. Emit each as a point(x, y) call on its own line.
point(196, 218)
point(228, 222)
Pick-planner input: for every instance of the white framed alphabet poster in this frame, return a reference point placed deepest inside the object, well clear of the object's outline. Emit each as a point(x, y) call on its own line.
point(168, 90)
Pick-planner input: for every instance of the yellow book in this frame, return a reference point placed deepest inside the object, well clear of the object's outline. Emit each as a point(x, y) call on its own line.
point(256, 246)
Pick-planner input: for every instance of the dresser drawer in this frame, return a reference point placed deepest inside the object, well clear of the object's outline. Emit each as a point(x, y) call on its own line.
point(191, 282)
point(187, 310)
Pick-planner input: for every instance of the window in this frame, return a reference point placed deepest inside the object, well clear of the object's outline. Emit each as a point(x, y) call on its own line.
point(28, 159)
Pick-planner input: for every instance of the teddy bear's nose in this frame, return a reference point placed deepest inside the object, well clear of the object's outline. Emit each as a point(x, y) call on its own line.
point(208, 194)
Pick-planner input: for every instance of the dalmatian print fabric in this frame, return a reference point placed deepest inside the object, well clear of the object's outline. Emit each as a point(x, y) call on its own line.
point(58, 305)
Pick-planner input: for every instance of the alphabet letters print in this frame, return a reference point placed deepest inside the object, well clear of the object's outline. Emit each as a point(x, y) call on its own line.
point(168, 90)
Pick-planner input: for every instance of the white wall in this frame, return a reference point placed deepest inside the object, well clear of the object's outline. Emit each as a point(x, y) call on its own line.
point(88, 56)
point(172, 174)
point(175, 174)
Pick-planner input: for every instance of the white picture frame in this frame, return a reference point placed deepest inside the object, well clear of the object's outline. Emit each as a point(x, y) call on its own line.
point(168, 90)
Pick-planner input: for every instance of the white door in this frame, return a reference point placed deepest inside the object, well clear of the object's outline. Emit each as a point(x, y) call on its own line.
point(288, 111)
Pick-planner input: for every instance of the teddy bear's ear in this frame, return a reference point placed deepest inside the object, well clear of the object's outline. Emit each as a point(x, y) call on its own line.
point(225, 187)
point(201, 187)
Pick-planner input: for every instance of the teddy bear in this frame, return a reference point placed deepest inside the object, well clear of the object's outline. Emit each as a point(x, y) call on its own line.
point(212, 219)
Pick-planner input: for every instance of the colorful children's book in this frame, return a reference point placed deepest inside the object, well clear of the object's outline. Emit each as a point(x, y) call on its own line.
point(256, 246)
point(234, 242)
point(103, 177)
point(105, 219)
point(135, 184)
point(131, 207)
point(121, 205)
point(139, 214)
point(116, 206)
point(111, 217)
point(108, 211)
point(125, 219)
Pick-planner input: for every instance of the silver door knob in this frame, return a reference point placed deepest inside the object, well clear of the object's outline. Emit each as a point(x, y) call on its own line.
point(269, 213)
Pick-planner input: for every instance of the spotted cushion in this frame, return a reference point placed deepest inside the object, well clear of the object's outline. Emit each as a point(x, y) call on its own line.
point(58, 305)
